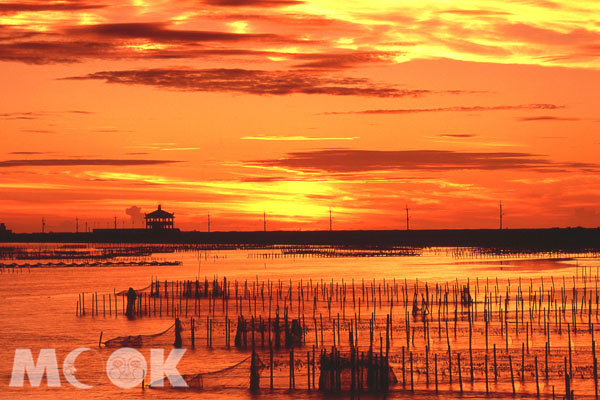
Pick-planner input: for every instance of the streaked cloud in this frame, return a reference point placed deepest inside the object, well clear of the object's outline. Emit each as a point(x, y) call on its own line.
point(253, 3)
point(72, 5)
point(297, 138)
point(25, 115)
point(160, 32)
point(456, 135)
point(352, 160)
point(80, 162)
point(547, 118)
point(28, 152)
point(453, 109)
point(256, 82)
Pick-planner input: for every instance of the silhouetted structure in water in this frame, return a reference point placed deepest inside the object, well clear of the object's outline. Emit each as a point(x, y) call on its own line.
point(355, 372)
point(269, 328)
point(5, 233)
point(293, 335)
point(465, 296)
point(131, 297)
point(178, 342)
point(159, 220)
point(255, 366)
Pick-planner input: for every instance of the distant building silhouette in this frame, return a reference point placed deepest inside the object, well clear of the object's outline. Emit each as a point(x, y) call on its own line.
point(159, 220)
point(3, 230)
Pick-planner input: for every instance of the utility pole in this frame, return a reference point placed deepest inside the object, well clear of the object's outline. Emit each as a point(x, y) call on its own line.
point(115, 223)
point(86, 227)
point(208, 222)
point(501, 215)
point(265, 221)
point(407, 225)
point(330, 221)
point(43, 225)
point(76, 225)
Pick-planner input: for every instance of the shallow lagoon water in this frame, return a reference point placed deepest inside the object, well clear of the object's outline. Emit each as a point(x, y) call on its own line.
point(39, 306)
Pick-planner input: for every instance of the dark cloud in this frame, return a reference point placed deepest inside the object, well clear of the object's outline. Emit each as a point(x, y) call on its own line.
point(136, 215)
point(105, 41)
point(348, 161)
point(547, 118)
point(343, 60)
point(453, 109)
point(62, 51)
point(159, 32)
point(59, 51)
point(8, 8)
point(251, 82)
point(253, 3)
point(79, 162)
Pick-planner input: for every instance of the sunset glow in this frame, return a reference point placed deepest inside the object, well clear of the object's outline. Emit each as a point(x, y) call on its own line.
point(292, 107)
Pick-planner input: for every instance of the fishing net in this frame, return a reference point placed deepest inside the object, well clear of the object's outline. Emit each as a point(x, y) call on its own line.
point(161, 339)
point(235, 376)
point(186, 289)
point(137, 291)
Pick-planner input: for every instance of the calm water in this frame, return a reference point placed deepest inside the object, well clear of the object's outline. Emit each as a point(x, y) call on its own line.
point(38, 309)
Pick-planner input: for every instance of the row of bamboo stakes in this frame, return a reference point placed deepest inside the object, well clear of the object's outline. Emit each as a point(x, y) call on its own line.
point(535, 314)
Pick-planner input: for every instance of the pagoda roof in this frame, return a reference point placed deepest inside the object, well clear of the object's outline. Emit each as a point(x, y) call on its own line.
point(160, 213)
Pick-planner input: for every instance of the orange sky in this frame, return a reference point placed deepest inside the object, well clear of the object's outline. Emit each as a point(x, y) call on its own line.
point(236, 107)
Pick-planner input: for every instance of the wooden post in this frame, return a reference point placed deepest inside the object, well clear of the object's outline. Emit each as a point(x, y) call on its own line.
point(522, 361)
point(308, 368)
point(292, 368)
point(487, 387)
point(512, 375)
point(596, 377)
point(537, 379)
point(412, 386)
point(495, 365)
point(270, 362)
point(459, 372)
point(436, 373)
point(403, 369)
point(546, 354)
point(193, 334)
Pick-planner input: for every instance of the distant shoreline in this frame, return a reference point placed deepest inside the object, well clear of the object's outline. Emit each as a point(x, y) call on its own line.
point(571, 239)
